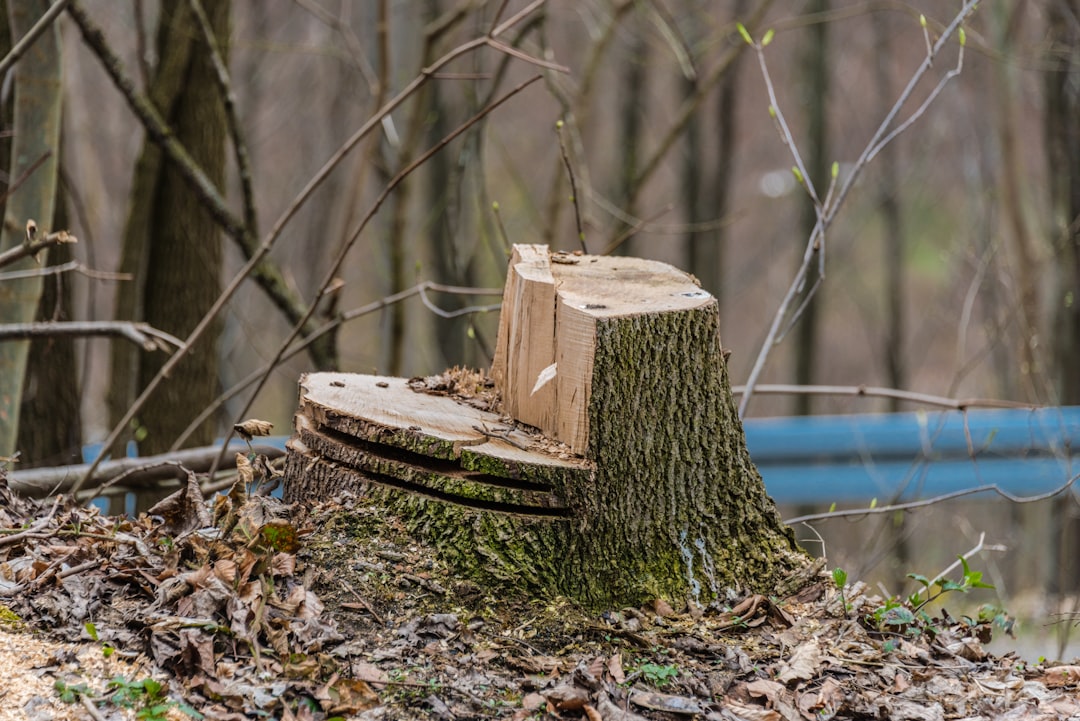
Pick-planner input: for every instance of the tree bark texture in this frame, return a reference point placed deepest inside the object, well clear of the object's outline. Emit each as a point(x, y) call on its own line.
point(50, 427)
point(35, 146)
point(662, 501)
point(815, 101)
point(1062, 133)
point(172, 245)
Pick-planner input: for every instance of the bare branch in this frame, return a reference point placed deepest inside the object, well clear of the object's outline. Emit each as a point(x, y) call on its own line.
point(33, 34)
point(925, 399)
point(138, 472)
point(266, 273)
point(33, 247)
point(155, 125)
point(892, 508)
point(70, 267)
point(240, 151)
point(141, 334)
point(14, 185)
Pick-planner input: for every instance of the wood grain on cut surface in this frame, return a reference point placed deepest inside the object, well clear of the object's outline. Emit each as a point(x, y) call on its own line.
point(547, 330)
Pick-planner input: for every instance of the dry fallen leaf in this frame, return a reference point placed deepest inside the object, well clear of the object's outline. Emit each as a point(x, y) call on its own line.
point(804, 663)
point(615, 668)
point(1061, 676)
point(746, 712)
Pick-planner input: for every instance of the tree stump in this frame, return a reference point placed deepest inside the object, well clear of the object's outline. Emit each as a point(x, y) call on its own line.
point(621, 474)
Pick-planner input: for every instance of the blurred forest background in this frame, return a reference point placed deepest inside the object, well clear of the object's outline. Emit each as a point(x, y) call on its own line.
point(953, 268)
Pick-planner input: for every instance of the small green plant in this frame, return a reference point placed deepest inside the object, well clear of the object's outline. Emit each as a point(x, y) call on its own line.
point(147, 697)
point(91, 631)
point(970, 580)
point(909, 617)
point(839, 579)
point(658, 675)
point(71, 693)
point(9, 618)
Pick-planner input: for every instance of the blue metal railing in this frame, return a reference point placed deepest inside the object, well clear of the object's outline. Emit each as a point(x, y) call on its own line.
point(856, 458)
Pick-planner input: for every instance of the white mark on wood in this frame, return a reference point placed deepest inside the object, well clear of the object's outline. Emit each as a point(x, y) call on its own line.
point(545, 377)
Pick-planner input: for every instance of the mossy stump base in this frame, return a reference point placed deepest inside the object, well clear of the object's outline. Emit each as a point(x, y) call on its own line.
point(636, 486)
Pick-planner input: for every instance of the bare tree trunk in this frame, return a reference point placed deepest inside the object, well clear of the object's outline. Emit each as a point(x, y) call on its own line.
point(815, 101)
point(170, 237)
point(1062, 133)
point(633, 109)
point(50, 432)
point(441, 206)
point(35, 147)
point(892, 223)
point(706, 248)
point(1033, 379)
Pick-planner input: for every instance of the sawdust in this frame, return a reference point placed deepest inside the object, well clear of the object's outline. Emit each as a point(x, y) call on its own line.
point(30, 666)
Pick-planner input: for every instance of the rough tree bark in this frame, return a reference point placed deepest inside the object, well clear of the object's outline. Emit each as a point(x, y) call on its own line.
point(172, 246)
point(50, 430)
point(639, 486)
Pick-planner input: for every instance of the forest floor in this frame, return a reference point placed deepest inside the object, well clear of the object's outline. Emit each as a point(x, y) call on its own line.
point(247, 608)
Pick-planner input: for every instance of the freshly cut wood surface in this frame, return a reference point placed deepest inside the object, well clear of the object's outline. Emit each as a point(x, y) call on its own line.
point(547, 331)
point(358, 429)
point(527, 338)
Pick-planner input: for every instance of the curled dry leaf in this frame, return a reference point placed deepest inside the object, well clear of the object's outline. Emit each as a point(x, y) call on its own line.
point(244, 471)
point(253, 427)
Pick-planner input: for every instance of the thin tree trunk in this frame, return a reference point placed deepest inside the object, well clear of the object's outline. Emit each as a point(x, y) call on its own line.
point(1032, 375)
point(815, 101)
point(164, 92)
point(891, 222)
point(170, 236)
point(633, 109)
point(36, 142)
point(1062, 137)
point(50, 431)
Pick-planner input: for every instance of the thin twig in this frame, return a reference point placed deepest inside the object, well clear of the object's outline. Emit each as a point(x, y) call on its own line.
point(138, 472)
point(37, 526)
point(891, 508)
point(827, 214)
point(33, 247)
point(73, 266)
point(979, 547)
point(457, 312)
point(15, 184)
point(240, 151)
point(926, 399)
point(90, 707)
point(573, 186)
point(20, 48)
point(128, 474)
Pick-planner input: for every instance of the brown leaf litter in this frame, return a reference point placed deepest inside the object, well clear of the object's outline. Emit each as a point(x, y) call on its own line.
point(247, 608)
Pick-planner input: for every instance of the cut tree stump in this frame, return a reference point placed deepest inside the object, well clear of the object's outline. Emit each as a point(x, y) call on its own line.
point(619, 473)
